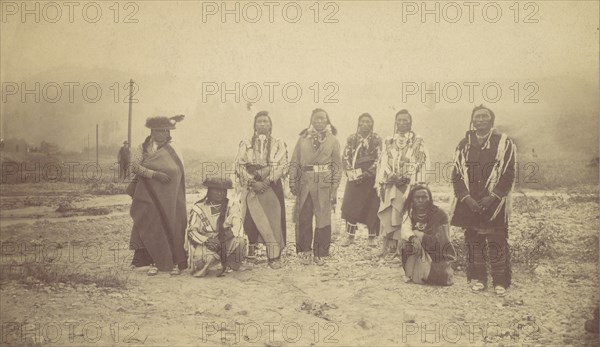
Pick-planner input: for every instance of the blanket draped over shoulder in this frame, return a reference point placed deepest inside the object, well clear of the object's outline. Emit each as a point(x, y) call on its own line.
point(158, 211)
point(479, 171)
point(405, 159)
point(361, 202)
point(263, 161)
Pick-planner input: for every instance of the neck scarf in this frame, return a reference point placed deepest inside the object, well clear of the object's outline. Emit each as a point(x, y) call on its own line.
point(318, 137)
point(363, 141)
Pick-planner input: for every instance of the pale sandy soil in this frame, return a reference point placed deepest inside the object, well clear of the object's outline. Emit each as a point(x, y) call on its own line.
point(355, 299)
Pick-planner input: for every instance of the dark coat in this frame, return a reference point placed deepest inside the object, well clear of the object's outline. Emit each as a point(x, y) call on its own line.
point(361, 202)
point(124, 155)
point(480, 162)
point(436, 242)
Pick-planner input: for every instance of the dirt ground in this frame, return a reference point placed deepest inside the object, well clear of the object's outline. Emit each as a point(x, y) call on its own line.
point(357, 298)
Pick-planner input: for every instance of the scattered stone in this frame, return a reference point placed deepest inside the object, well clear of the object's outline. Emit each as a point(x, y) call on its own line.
point(227, 307)
point(542, 270)
point(317, 309)
point(409, 316)
point(364, 324)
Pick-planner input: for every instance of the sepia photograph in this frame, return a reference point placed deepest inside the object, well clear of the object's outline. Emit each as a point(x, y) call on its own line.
point(299, 173)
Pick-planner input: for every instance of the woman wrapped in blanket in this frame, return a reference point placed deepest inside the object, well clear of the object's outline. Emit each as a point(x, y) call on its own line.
point(260, 165)
point(426, 248)
point(158, 207)
point(401, 164)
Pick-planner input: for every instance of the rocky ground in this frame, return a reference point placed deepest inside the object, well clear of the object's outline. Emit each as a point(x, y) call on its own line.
point(66, 281)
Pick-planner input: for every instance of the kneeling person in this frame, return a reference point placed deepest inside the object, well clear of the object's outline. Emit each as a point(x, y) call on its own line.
point(215, 230)
point(427, 251)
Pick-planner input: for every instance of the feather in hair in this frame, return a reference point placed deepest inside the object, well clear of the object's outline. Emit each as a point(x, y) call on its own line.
point(178, 118)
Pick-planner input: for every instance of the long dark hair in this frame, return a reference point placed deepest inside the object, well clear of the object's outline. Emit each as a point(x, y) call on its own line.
point(220, 222)
point(222, 210)
point(472, 130)
point(269, 137)
point(481, 107)
point(333, 129)
point(403, 111)
point(222, 213)
point(408, 205)
point(364, 115)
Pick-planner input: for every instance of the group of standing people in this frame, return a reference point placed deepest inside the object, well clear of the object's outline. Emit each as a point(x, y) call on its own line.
point(385, 190)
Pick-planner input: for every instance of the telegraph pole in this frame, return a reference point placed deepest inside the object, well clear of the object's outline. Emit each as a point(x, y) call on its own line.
point(97, 145)
point(130, 110)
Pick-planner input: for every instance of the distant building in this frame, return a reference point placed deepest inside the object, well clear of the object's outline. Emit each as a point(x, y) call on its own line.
point(16, 149)
point(14, 145)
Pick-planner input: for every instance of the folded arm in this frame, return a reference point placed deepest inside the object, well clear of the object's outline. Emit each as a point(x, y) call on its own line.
point(136, 163)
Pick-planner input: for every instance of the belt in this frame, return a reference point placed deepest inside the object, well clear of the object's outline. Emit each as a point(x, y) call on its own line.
point(316, 168)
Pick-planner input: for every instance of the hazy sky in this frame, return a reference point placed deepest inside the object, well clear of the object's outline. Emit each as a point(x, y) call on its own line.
point(373, 51)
